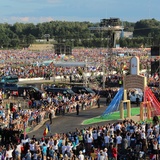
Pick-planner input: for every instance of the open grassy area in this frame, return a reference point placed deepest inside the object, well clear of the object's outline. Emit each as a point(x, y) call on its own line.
point(148, 120)
point(110, 117)
point(40, 47)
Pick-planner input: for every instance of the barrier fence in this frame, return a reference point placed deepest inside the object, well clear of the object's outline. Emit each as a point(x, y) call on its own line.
point(39, 115)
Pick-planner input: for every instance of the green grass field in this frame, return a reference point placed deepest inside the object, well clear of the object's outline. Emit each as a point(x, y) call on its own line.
point(110, 117)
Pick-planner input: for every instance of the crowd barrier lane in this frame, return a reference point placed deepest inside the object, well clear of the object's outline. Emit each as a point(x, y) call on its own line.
point(35, 122)
point(92, 104)
point(30, 79)
point(15, 100)
point(41, 78)
point(57, 77)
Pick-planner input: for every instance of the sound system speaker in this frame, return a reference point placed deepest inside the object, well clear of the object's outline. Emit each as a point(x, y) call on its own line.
point(155, 67)
point(155, 51)
point(62, 49)
point(58, 49)
point(68, 50)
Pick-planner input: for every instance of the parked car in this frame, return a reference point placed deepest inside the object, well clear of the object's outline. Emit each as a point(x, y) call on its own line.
point(8, 87)
point(15, 90)
point(9, 79)
point(33, 92)
point(82, 89)
point(64, 91)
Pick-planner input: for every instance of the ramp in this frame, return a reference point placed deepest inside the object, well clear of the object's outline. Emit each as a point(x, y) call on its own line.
point(115, 103)
point(155, 104)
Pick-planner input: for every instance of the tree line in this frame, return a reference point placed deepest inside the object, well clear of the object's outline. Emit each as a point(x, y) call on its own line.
point(78, 34)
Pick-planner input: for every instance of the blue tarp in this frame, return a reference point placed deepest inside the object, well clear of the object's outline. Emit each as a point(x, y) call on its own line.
point(115, 103)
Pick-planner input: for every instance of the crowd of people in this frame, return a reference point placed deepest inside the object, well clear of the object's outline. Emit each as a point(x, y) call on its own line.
point(15, 119)
point(37, 110)
point(126, 139)
point(111, 141)
point(27, 64)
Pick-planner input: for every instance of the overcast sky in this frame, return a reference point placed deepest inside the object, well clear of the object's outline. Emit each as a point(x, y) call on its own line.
point(37, 11)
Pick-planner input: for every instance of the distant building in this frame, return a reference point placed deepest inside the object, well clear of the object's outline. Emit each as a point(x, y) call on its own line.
point(120, 34)
point(44, 40)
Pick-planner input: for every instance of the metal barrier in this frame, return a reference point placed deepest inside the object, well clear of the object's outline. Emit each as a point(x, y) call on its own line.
point(19, 101)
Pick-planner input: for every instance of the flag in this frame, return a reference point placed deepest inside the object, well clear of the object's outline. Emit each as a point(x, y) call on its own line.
point(48, 126)
point(45, 131)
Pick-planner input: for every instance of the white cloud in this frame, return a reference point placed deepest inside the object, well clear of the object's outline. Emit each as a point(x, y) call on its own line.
point(34, 20)
point(20, 19)
point(45, 19)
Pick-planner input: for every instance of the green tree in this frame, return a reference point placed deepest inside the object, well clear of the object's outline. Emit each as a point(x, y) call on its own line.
point(30, 39)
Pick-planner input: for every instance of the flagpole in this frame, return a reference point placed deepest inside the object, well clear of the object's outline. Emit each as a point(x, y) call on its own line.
point(24, 132)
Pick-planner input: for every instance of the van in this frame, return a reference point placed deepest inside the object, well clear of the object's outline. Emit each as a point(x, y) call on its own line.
point(32, 91)
point(9, 89)
point(10, 79)
point(64, 91)
point(82, 89)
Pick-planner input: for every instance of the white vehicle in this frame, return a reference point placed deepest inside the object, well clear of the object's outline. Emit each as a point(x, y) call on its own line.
point(134, 94)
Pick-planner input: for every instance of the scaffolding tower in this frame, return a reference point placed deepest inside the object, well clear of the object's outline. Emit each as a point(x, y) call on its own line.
point(111, 26)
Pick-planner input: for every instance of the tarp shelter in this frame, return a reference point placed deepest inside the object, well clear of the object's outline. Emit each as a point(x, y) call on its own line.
point(47, 63)
point(66, 63)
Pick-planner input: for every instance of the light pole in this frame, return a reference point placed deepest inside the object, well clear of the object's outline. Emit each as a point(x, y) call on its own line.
point(85, 75)
point(54, 71)
point(103, 69)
